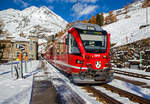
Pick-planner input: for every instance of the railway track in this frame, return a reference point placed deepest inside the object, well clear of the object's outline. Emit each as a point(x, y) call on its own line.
point(100, 96)
point(138, 83)
point(132, 74)
point(132, 97)
point(104, 98)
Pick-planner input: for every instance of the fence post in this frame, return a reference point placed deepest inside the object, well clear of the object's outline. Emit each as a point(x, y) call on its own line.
point(11, 56)
point(140, 60)
point(11, 69)
point(21, 64)
point(26, 59)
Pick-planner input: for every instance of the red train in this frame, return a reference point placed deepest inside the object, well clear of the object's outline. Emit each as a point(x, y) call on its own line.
point(83, 53)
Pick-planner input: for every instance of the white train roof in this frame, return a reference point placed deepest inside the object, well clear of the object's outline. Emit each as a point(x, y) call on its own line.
point(88, 26)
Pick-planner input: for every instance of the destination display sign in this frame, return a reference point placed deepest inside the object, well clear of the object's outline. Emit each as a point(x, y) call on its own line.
point(94, 33)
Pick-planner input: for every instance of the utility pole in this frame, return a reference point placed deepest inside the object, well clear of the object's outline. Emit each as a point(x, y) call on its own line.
point(11, 56)
point(21, 63)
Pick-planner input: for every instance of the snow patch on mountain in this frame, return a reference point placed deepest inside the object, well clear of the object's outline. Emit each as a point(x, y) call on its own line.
point(127, 30)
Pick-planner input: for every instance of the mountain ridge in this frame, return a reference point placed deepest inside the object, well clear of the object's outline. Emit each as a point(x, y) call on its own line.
point(26, 21)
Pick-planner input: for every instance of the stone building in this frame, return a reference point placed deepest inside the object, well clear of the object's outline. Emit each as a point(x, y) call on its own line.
point(15, 45)
point(26, 46)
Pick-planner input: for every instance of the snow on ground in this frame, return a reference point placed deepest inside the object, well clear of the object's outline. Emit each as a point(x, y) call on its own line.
point(55, 74)
point(16, 91)
point(134, 78)
point(143, 92)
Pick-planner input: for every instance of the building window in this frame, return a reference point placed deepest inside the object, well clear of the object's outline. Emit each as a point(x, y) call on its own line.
point(18, 54)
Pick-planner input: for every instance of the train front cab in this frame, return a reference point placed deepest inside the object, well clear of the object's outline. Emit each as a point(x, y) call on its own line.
point(88, 56)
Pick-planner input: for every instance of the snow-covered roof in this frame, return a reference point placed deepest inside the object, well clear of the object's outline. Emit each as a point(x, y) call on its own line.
point(22, 39)
point(2, 38)
point(32, 35)
point(10, 36)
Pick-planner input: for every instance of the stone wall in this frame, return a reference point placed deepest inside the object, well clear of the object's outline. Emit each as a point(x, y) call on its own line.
point(121, 56)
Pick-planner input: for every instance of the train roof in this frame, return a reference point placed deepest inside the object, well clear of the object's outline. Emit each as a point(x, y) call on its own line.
point(88, 26)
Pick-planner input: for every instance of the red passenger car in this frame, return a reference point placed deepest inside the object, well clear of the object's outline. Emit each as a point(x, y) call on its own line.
point(83, 53)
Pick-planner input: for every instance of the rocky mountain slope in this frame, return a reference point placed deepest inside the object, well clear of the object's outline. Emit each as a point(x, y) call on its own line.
point(130, 37)
point(127, 28)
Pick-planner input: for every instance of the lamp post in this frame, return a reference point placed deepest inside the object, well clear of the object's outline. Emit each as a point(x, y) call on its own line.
point(146, 16)
point(11, 56)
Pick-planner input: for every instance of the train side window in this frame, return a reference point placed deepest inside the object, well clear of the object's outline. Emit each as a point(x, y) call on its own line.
point(52, 51)
point(18, 54)
point(66, 44)
point(58, 48)
point(61, 48)
point(73, 46)
point(66, 40)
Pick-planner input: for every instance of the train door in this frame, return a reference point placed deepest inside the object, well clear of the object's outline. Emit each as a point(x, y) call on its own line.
point(55, 47)
point(51, 55)
point(74, 52)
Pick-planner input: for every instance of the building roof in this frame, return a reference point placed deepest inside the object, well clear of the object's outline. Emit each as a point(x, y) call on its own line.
point(6, 40)
point(20, 39)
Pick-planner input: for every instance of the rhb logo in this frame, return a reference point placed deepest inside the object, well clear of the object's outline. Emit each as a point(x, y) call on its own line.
point(98, 64)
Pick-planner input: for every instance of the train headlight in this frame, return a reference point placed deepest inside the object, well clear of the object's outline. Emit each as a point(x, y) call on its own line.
point(79, 61)
point(106, 57)
point(98, 64)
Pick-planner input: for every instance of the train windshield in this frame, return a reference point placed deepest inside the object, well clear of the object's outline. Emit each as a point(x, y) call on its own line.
point(94, 43)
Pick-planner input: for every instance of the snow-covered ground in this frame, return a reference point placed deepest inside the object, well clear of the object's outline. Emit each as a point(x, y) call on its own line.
point(18, 91)
point(133, 71)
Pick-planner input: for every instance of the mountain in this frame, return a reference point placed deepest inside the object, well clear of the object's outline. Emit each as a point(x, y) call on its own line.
point(32, 21)
point(128, 27)
point(35, 21)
